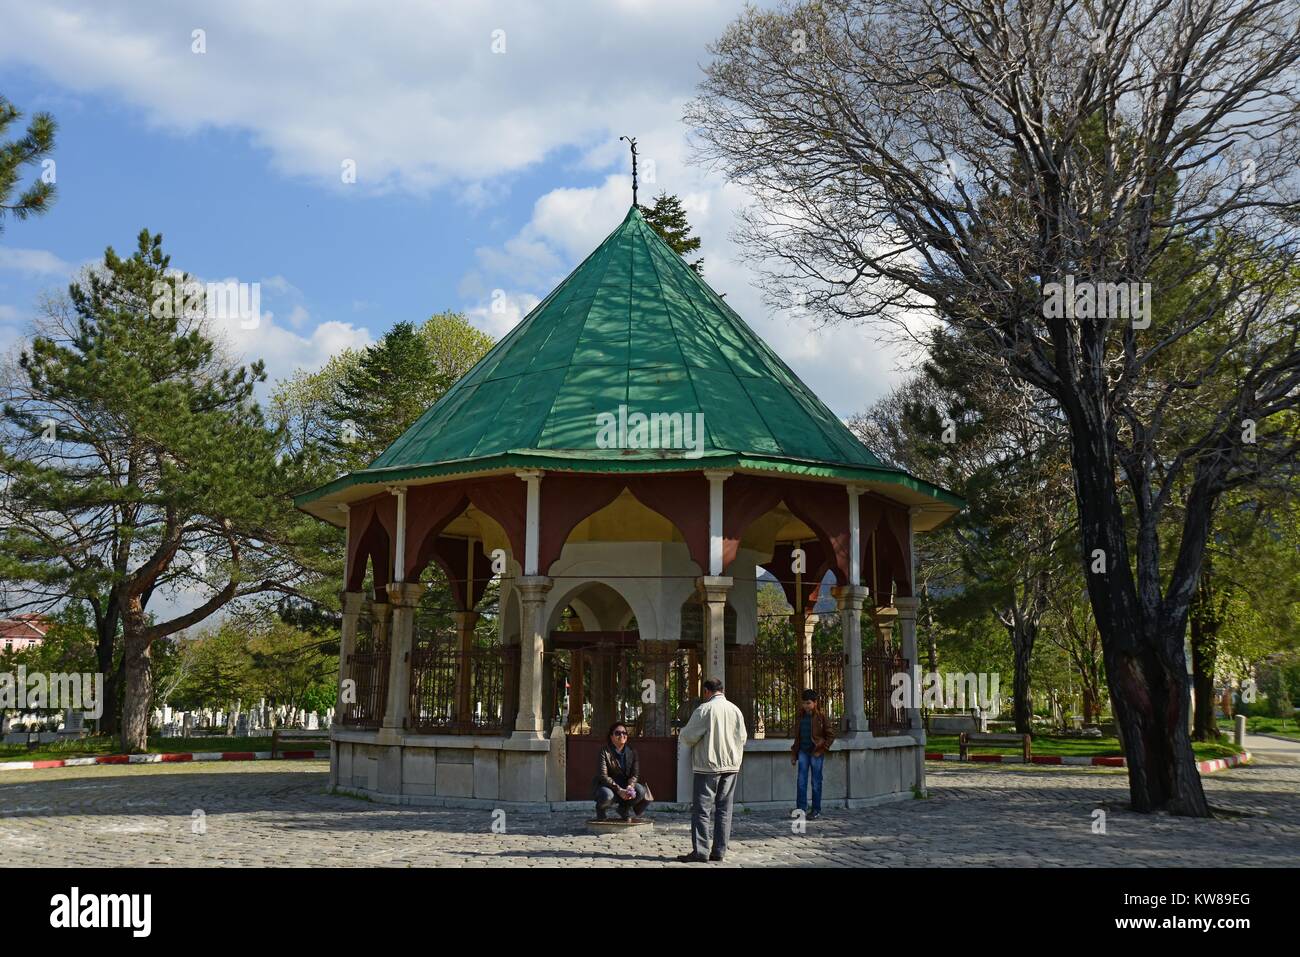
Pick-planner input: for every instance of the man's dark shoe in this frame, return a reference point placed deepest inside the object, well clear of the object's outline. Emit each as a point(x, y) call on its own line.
point(600, 816)
point(622, 815)
point(814, 815)
point(692, 858)
point(716, 857)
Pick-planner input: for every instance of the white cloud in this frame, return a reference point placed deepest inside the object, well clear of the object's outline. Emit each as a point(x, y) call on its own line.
point(847, 366)
point(501, 312)
point(284, 350)
point(411, 91)
point(34, 262)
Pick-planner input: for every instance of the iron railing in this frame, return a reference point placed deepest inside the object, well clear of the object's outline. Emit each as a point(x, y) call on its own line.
point(462, 692)
point(367, 667)
point(880, 664)
point(767, 685)
point(652, 690)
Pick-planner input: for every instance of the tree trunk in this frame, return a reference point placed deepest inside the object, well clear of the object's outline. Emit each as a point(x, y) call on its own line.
point(932, 642)
point(139, 691)
point(1090, 706)
point(1150, 703)
point(1204, 625)
point(1022, 634)
point(109, 720)
point(1145, 666)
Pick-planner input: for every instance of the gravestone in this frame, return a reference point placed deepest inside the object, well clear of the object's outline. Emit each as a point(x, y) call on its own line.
point(74, 722)
point(187, 727)
point(313, 722)
point(242, 726)
point(5, 721)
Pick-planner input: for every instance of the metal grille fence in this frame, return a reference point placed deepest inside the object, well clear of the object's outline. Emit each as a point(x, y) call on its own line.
point(652, 690)
point(767, 685)
point(367, 666)
point(458, 692)
point(879, 665)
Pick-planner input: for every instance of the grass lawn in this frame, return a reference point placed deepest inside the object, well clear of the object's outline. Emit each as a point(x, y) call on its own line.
point(86, 747)
point(1262, 724)
point(1073, 747)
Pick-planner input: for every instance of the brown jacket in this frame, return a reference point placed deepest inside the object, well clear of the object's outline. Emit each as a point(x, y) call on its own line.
point(822, 732)
point(609, 773)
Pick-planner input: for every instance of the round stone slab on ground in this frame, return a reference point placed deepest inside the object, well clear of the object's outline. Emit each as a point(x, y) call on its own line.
point(616, 825)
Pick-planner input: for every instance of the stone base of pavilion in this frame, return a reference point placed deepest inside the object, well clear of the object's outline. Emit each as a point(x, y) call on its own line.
point(529, 774)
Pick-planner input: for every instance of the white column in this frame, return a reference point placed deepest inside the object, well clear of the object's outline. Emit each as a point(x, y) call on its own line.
point(907, 631)
point(713, 586)
point(347, 542)
point(850, 599)
point(403, 598)
point(399, 560)
point(532, 639)
point(855, 536)
point(716, 479)
point(532, 527)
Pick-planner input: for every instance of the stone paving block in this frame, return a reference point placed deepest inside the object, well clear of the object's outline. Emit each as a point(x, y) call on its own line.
point(275, 814)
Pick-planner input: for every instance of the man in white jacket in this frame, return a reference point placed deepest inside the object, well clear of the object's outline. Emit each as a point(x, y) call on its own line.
point(716, 735)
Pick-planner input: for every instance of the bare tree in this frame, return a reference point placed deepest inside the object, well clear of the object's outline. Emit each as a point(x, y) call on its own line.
point(963, 158)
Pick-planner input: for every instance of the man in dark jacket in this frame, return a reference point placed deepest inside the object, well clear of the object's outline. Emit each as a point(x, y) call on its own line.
point(617, 777)
point(812, 740)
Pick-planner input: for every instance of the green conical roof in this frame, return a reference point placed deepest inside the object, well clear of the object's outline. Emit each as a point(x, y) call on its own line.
point(632, 325)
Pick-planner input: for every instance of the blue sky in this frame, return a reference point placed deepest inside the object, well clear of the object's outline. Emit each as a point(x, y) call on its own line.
point(476, 170)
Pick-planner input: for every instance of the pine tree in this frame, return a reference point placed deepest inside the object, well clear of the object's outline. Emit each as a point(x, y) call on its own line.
point(667, 218)
point(382, 394)
point(136, 462)
point(36, 145)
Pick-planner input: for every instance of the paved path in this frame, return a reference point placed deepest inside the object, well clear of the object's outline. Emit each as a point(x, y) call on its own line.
point(1283, 750)
point(277, 813)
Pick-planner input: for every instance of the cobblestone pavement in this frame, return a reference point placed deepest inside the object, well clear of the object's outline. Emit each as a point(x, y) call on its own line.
point(268, 814)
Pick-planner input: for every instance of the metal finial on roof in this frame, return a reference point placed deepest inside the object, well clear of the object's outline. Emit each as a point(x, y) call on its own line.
point(631, 140)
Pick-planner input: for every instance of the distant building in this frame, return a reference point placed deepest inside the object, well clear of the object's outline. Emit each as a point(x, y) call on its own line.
point(23, 631)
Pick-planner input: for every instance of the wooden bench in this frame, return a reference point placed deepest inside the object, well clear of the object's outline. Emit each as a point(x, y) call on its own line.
point(969, 739)
point(295, 734)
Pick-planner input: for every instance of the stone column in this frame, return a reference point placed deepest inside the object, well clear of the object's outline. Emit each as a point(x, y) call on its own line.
point(804, 626)
point(381, 617)
point(884, 619)
point(714, 589)
point(906, 609)
point(465, 622)
point(532, 637)
point(352, 602)
point(907, 629)
point(576, 692)
point(403, 596)
point(849, 600)
point(656, 658)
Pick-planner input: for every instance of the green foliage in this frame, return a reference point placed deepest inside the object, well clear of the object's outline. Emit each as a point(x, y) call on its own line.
point(667, 218)
point(1273, 682)
point(33, 147)
point(340, 418)
point(146, 444)
point(69, 646)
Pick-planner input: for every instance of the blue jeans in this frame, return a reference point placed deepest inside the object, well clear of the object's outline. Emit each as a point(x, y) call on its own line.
point(807, 758)
point(606, 799)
